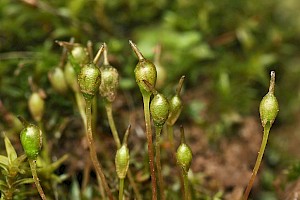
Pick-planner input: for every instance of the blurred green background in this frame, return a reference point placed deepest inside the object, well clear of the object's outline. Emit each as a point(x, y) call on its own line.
point(225, 48)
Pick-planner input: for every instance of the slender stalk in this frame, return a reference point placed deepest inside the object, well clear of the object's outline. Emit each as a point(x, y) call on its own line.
point(187, 195)
point(146, 100)
point(158, 164)
point(93, 154)
point(32, 164)
point(258, 160)
point(171, 137)
point(111, 121)
point(170, 132)
point(121, 188)
point(112, 125)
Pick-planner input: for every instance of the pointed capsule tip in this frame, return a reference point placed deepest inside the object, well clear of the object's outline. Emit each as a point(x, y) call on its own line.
point(98, 55)
point(125, 139)
point(136, 51)
point(272, 82)
point(23, 121)
point(182, 134)
point(180, 84)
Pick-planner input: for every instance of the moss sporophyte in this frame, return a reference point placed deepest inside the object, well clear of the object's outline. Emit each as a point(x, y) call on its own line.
point(268, 110)
point(146, 71)
point(31, 140)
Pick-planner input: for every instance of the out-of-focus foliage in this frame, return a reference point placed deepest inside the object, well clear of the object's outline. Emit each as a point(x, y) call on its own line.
point(225, 48)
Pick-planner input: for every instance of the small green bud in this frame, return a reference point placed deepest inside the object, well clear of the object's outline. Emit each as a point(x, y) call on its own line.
point(175, 104)
point(122, 161)
point(109, 79)
point(184, 154)
point(71, 77)
point(159, 106)
point(36, 105)
point(89, 79)
point(159, 109)
point(144, 70)
point(122, 157)
point(31, 139)
point(80, 54)
point(57, 80)
point(269, 107)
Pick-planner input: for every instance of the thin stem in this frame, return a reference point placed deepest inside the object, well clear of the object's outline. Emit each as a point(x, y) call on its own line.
point(93, 154)
point(121, 188)
point(112, 125)
point(133, 185)
point(171, 137)
point(158, 164)
point(258, 160)
point(187, 195)
point(108, 107)
point(32, 164)
point(146, 100)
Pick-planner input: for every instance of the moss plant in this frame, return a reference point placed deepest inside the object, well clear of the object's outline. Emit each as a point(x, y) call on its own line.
point(175, 110)
point(122, 162)
point(31, 139)
point(89, 80)
point(268, 111)
point(184, 159)
point(108, 90)
point(159, 109)
point(145, 70)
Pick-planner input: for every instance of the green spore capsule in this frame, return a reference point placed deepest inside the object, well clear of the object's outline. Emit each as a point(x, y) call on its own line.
point(269, 105)
point(109, 79)
point(31, 139)
point(122, 157)
point(57, 80)
point(184, 154)
point(89, 79)
point(122, 161)
point(159, 106)
point(144, 70)
point(159, 109)
point(80, 54)
point(175, 104)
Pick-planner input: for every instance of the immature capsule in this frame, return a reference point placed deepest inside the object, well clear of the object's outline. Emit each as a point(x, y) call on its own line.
point(31, 139)
point(36, 105)
point(80, 54)
point(57, 80)
point(122, 157)
point(109, 79)
point(89, 79)
point(159, 106)
point(145, 70)
point(175, 104)
point(184, 154)
point(269, 105)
